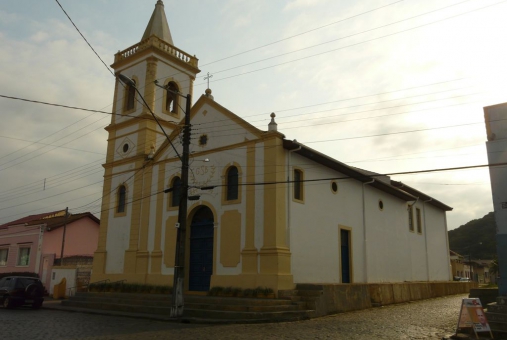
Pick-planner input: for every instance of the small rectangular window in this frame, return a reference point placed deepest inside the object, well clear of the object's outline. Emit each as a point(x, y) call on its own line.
point(298, 184)
point(418, 219)
point(122, 197)
point(4, 256)
point(131, 95)
point(410, 218)
point(24, 256)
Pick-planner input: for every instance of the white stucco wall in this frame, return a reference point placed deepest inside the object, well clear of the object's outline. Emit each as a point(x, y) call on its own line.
point(389, 253)
point(118, 233)
point(314, 225)
point(438, 245)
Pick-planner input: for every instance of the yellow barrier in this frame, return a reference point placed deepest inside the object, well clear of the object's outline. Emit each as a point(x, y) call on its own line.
point(59, 289)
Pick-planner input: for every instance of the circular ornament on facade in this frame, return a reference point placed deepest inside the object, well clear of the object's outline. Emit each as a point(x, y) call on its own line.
point(380, 205)
point(125, 147)
point(334, 187)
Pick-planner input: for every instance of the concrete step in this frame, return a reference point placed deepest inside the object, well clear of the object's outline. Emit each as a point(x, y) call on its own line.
point(202, 307)
point(165, 310)
point(308, 286)
point(496, 317)
point(496, 308)
point(498, 326)
point(310, 293)
point(158, 299)
point(151, 306)
point(266, 316)
point(242, 308)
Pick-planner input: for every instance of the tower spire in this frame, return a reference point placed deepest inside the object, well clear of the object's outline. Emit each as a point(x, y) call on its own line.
point(158, 25)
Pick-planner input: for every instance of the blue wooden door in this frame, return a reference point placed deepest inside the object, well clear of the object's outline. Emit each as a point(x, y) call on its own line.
point(201, 251)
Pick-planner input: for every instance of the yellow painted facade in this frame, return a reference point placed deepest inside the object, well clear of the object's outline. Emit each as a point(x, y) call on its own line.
point(247, 223)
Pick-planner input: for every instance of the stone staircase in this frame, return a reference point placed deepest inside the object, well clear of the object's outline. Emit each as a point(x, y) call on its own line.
point(231, 309)
point(306, 294)
point(497, 315)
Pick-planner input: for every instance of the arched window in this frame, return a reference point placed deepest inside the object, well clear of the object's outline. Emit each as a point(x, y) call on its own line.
point(232, 183)
point(171, 103)
point(176, 193)
point(122, 199)
point(298, 184)
point(131, 97)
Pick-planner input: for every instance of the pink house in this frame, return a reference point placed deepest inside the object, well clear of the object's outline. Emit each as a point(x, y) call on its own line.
point(32, 243)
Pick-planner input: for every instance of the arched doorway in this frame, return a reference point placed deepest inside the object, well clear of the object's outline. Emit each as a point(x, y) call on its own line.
point(201, 250)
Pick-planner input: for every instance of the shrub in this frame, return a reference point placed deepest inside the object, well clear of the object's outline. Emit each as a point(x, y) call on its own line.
point(121, 287)
point(215, 291)
point(249, 293)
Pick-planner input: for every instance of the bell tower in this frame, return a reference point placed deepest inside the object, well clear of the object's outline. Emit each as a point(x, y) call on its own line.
point(153, 60)
point(134, 137)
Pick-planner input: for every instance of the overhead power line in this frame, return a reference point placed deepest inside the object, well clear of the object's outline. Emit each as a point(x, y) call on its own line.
point(347, 46)
point(77, 29)
point(302, 33)
point(332, 178)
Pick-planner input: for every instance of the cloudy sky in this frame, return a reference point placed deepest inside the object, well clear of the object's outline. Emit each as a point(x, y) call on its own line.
point(385, 85)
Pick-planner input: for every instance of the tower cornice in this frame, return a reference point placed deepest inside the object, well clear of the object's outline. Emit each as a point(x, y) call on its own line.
point(156, 45)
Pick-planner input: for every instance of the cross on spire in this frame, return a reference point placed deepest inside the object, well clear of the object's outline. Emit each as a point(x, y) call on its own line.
point(208, 77)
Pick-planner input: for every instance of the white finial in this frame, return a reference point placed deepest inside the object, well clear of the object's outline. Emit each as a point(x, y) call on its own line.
point(272, 126)
point(152, 152)
point(208, 93)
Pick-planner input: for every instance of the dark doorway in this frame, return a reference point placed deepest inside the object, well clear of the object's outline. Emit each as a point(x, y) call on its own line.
point(345, 255)
point(201, 250)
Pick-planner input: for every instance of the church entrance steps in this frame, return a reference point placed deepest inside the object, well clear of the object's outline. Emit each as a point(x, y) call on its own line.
point(304, 294)
point(199, 307)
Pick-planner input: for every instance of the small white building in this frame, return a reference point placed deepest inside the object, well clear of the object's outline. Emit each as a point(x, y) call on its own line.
point(279, 213)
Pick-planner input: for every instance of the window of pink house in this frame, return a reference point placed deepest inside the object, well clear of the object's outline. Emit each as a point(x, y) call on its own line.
point(4, 255)
point(24, 255)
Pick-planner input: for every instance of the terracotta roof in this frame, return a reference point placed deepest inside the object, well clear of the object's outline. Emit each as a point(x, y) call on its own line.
point(421, 195)
point(52, 222)
point(353, 172)
point(29, 218)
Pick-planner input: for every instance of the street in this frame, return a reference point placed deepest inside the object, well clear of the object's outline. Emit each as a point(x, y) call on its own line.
point(429, 319)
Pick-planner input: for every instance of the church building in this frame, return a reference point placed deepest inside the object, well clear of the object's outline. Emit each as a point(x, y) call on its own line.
point(275, 213)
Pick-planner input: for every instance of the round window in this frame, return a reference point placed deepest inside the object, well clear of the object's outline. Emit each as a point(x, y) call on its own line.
point(125, 147)
point(334, 187)
point(381, 205)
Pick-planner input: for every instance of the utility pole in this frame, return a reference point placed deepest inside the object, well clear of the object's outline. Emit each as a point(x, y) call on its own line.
point(471, 267)
point(179, 260)
point(63, 238)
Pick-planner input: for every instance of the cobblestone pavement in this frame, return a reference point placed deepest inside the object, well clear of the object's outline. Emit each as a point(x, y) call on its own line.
point(429, 319)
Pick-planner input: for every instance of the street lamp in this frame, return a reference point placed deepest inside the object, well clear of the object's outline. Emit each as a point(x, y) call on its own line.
point(179, 261)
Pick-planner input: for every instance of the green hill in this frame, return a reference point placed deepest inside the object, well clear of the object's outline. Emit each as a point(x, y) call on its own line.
point(477, 238)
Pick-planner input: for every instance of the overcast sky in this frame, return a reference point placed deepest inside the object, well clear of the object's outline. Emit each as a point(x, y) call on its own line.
point(384, 85)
